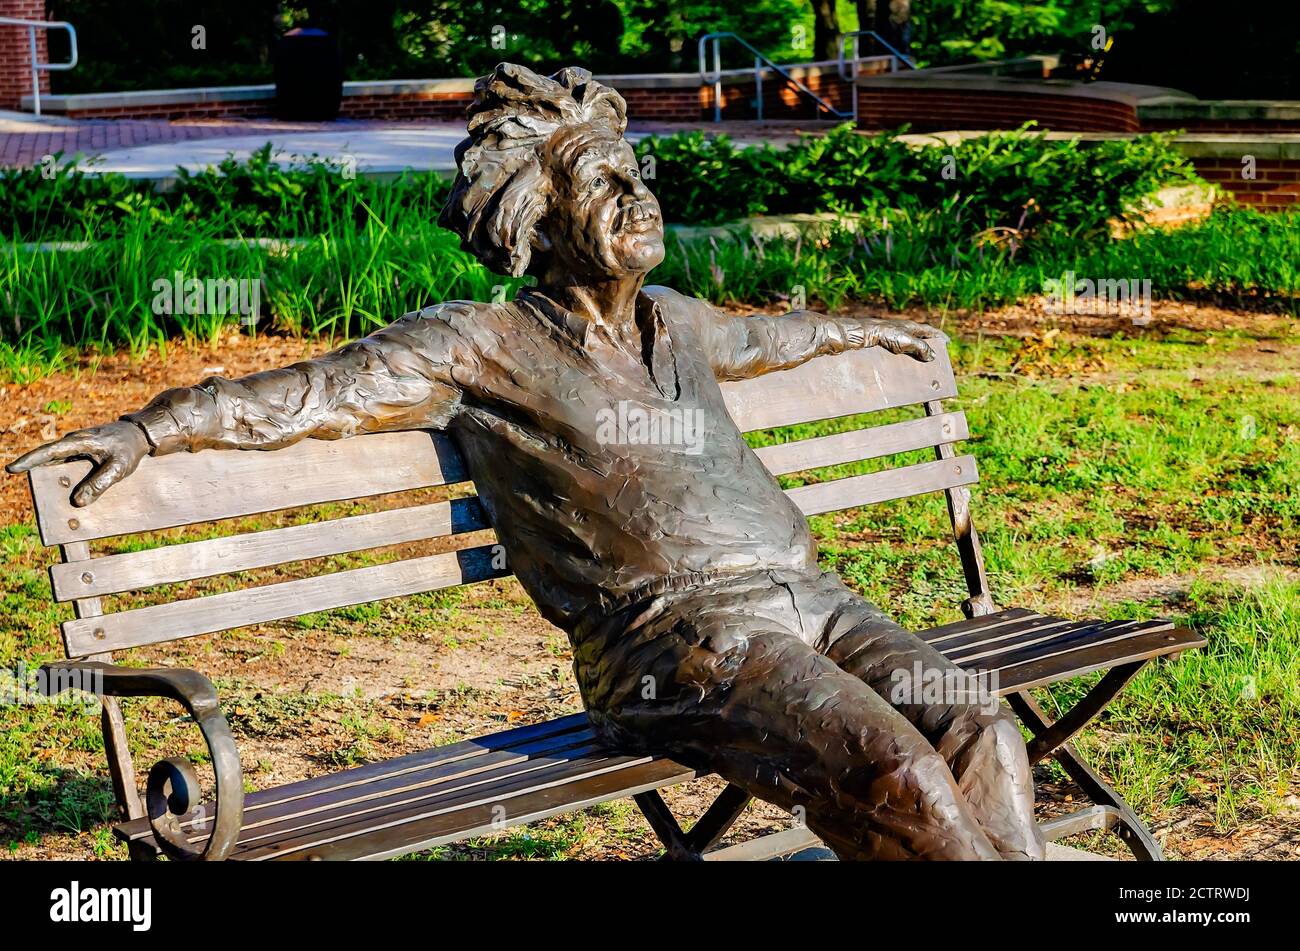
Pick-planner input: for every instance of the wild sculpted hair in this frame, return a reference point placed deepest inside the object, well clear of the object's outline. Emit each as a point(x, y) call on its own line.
point(501, 189)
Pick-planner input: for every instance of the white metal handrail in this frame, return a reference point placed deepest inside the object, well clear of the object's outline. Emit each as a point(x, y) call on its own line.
point(32, 27)
point(760, 61)
point(849, 65)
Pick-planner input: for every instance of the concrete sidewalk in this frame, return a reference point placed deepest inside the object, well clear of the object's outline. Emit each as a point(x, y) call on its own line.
point(153, 149)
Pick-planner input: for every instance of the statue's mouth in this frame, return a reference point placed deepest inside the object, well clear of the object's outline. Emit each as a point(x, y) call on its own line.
point(637, 219)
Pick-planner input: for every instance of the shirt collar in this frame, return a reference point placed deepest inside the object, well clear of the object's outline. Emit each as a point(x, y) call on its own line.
point(575, 324)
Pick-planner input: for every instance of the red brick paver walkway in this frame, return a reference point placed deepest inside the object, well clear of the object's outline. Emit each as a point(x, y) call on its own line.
point(92, 136)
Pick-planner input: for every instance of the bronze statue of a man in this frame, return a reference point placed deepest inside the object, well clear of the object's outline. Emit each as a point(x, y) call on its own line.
point(702, 628)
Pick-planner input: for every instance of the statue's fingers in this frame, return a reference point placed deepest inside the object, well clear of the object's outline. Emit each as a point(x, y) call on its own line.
point(915, 329)
point(59, 451)
point(916, 348)
point(95, 484)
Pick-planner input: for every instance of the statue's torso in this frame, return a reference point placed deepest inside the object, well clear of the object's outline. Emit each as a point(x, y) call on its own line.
point(603, 473)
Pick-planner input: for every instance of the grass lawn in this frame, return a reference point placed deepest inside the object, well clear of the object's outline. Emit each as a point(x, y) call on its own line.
point(1126, 476)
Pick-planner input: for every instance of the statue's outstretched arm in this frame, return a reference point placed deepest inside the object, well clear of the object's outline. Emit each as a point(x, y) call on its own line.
point(397, 378)
point(744, 347)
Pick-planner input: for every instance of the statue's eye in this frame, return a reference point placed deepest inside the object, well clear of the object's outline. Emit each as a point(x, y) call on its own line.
point(597, 184)
point(634, 171)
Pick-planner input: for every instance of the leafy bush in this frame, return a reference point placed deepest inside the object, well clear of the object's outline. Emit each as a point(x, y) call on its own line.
point(258, 197)
point(1019, 180)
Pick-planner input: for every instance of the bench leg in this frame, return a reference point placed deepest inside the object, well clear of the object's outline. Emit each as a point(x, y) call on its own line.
point(1117, 815)
point(1057, 734)
point(690, 846)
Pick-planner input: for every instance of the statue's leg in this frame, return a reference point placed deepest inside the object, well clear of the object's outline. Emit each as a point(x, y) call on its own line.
point(737, 694)
point(976, 735)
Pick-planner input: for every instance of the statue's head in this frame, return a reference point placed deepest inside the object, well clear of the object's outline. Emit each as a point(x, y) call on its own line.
point(547, 184)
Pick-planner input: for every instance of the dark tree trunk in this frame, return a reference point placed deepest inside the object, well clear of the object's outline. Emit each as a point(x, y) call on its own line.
point(894, 23)
point(826, 36)
point(866, 14)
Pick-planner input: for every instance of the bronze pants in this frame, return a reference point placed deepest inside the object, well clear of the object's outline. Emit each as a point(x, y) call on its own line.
point(803, 693)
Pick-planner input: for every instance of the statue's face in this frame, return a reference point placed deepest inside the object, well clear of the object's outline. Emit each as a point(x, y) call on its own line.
point(602, 222)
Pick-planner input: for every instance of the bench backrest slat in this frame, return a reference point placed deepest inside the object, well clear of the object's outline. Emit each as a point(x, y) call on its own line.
point(274, 602)
point(860, 381)
point(185, 488)
point(885, 486)
point(188, 561)
point(860, 444)
point(190, 488)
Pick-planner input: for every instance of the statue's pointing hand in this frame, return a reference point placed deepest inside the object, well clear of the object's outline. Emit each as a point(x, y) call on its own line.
point(115, 448)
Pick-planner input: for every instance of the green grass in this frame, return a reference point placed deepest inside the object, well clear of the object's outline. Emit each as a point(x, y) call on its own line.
point(354, 279)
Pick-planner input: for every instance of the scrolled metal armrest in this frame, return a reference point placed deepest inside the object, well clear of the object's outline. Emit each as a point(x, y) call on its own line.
point(173, 787)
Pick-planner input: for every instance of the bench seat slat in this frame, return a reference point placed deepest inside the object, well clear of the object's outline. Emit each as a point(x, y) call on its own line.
point(487, 817)
point(535, 739)
point(992, 638)
point(169, 564)
point(443, 808)
point(325, 813)
point(944, 631)
point(260, 840)
point(1033, 643)
point(1090, 658)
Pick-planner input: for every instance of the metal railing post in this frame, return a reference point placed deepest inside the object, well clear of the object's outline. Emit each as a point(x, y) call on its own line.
point(849, 67)
point(760, 61)
point(36, 76)
point(32, 26)
point(717, 79)
point(758, 85)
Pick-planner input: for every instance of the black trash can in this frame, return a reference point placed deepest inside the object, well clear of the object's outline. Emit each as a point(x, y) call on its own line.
point(308, 76)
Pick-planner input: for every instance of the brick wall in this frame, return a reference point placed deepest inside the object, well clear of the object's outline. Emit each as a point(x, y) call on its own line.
point(1276, 185)
point(781, 99)
point(15, 52)
point(937, 110)
point(423, 105)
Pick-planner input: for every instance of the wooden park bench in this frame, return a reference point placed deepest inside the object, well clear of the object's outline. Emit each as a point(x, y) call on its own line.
point(480, 786)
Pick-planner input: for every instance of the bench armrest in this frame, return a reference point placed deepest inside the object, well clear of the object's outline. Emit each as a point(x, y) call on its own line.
point(173, 788)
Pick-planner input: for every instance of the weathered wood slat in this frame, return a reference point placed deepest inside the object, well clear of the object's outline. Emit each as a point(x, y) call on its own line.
point(168, 564)
point(768, 848)
point(980, 638)
point(858, 381)
point(534, 739)
point(319, 839)
point(1083, 634)
point(862, 444)
point(969, 625)
point(186, 488)
point(884, 486)
point(378, 804)
point(1086, 659)
point(491, 816)
point(219, 612)
point(1041, 639)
